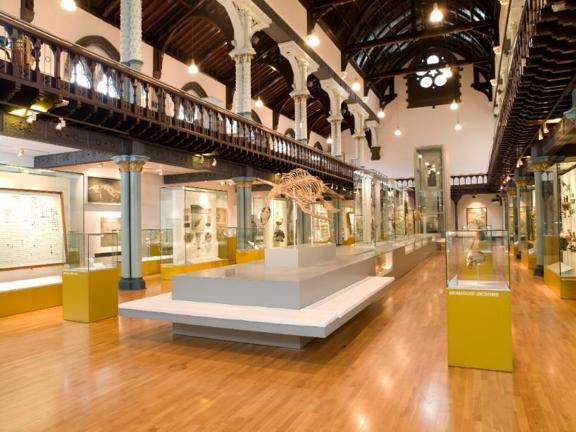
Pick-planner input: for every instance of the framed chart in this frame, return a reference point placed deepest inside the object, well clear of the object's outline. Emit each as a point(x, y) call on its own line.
point(32, 229)
point(476, 218)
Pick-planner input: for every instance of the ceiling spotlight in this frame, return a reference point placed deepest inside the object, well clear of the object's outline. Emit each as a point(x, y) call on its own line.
point(454, 105)
point(61, 124)
point(193, 68)
point(436, 15)
point(312, 40)
point(493, 82)
point(20, 152)
point(356, 85)
point(397, 132)
point(497, 50)
point(68, 5)
point(458, 126)
point(447, 71)
point(31, 117)
point(214, 162)
point(329, 140)
point(381, 114)
point(519, 163)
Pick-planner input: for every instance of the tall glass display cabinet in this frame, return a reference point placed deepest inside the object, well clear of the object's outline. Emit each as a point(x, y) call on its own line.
point(432, 189)
point(527, 222)
point(512, 216)
point(559, 187)
point(189, 221)
point(364, 207)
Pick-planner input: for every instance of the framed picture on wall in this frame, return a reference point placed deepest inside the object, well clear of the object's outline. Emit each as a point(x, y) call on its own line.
point(476, 218)
point(110, 225)
point(103, 190)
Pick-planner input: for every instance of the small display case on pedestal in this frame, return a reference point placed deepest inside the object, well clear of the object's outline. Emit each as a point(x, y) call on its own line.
point(90, 279)
point(478, 299)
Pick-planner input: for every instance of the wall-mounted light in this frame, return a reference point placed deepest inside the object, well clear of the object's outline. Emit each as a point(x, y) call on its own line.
point(381, 114)
point(20, 152)
point(259, 103)
point(68, 5)
point(312, 40)
point(436, 15)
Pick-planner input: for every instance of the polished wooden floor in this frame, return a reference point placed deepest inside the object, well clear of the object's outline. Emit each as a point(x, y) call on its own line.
point(384, 371)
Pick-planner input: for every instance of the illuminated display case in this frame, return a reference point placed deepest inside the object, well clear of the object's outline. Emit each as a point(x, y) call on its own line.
point(559, 189)
point(89, 252)
point(512, 214)
point(151, 243)
point(347, 222)
point(432, 189)
point(189, 220)
point(527, 223)
point(477, 259)
point(278, 231)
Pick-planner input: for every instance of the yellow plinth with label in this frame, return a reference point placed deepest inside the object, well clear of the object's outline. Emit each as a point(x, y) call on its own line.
point(479, 328)
point(89, 296)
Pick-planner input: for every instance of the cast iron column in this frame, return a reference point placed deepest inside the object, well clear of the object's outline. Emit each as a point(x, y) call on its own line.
point(131, 214)
point(244, 211)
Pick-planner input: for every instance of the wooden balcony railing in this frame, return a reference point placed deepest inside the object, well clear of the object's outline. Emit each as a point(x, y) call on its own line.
point(111, 96)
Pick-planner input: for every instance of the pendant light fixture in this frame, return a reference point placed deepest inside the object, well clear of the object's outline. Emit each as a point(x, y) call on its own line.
point(397, 132)
point(356, 86)
point(454, 105)
point(259, 103)
point(329, 140)
point(436, 15)
point(68, 5)
point(381, 114)
point(193, 68)
point(458, 126)
point(312, 40)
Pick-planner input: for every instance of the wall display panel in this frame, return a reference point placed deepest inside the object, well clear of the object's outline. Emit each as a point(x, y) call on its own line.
point(32, 229)
point(476, 218)
point(111, 228)
point(103, 190)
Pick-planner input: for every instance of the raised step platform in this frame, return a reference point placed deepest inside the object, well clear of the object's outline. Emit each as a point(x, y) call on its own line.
point(290, 328)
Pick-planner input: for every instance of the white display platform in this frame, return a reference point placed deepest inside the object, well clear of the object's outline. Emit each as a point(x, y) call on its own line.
point(30, 283)
point(291, 328)
point(299, 256)
point(256, 284)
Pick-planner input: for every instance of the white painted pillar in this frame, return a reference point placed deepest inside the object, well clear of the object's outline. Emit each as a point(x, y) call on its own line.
point(246, 20)
point(373, 125)
point(131, 33)
point(360, 116)
point(302, 66)
point(337, 95)
point(131, 218)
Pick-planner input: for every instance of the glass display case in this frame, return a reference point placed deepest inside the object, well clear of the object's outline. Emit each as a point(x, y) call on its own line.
point(151, 243)
point(278, 232)
point(432, 189)
point(400, 210)
point(189, 220)
point(477, 259)
point(511, 214)
point(347, 222)
point(527, 224)
point(559, 191)
point(88, 252)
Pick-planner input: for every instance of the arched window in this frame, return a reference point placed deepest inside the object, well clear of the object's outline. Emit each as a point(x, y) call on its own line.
point(318, 146)
point(195, 89)
point(290, 132)
point(80, 75)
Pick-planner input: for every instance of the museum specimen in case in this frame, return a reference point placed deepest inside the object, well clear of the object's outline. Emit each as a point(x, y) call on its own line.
point(89, 252)
point(188, 221)
point(432, 189)
point(477, 259)
point(559, 189)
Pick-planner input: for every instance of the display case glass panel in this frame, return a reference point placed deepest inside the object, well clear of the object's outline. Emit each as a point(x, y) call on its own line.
point(477, 259)
point(432, 188)
point(527, 222)
point(347, 222)
point(151, 243)
point(559, 190)
point(92, 251)
point(190, 219)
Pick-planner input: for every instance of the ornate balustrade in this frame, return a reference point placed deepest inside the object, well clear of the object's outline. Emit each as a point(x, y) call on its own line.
point(39, 68)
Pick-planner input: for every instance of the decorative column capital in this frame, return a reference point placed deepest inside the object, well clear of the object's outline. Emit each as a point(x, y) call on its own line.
point(542, 163)
point(246, 20)
point(360, 117)
point(524, 181)
point(130, 163)
point(301, 63)
point(337, 95)
point(243, 181)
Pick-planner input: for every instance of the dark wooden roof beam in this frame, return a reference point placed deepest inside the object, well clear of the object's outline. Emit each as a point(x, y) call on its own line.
point(412, 37)
point(405, 71)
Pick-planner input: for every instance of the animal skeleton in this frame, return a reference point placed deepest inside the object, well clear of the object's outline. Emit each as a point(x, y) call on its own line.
point(302, 188)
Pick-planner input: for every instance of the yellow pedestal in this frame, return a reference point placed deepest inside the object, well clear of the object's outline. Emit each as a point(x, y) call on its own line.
point(90, 296)
point(566, 287)
point(528, 260)
point(151, 267)
point(249, 255)
point(30, 299)
point(479, 329)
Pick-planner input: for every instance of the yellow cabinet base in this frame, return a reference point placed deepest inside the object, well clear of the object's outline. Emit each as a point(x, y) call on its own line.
point(90, 296)
point(566, 287)
point(30, 299)
point(249, 255)
point(529, 260)
point(479, 329)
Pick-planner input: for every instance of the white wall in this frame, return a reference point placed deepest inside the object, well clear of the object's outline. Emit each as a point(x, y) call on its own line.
point(468, 150)
point(494, 210)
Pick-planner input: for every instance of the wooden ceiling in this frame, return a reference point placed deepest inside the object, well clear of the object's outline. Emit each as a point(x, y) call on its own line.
point(381, 37)
point(201, 30)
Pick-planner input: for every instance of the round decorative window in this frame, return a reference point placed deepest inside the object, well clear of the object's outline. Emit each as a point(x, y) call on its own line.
point(432, 78)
